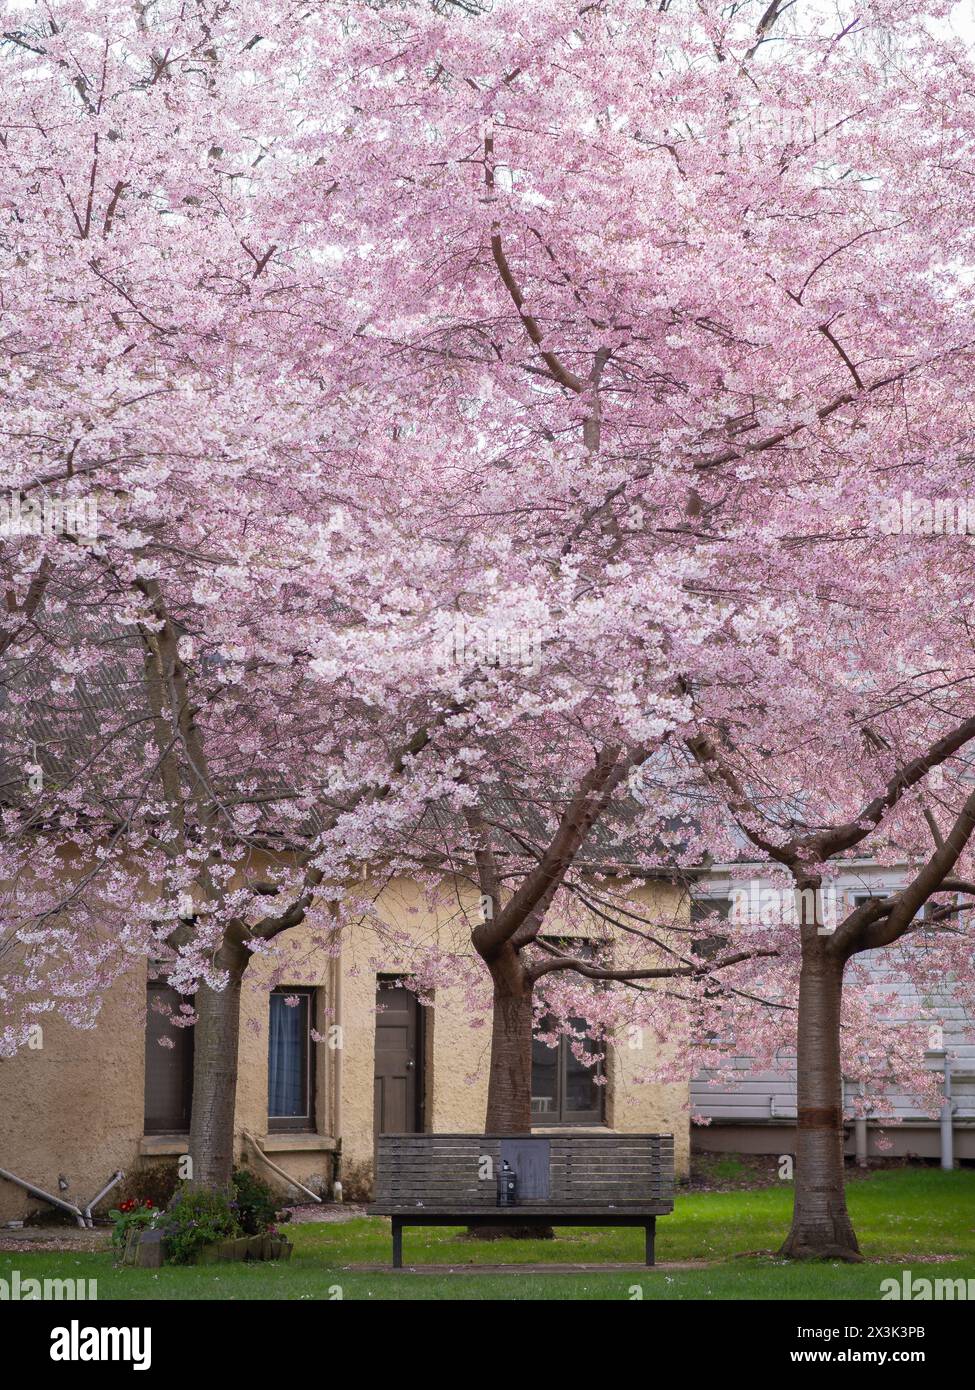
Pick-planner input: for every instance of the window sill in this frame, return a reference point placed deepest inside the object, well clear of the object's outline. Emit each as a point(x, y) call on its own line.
point(162, 1144)
point(295, 1141)
point(281, 1141)
point(580, 1127)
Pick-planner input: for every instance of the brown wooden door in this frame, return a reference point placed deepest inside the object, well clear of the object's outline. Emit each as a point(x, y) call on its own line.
point(399, 1084)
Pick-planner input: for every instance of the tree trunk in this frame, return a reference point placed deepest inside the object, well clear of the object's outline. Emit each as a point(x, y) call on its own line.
point(509, 1106)
point(217, 1033)
point(821, 1227)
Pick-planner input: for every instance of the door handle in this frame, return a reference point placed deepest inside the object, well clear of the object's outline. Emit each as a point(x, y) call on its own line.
point(410, 1066)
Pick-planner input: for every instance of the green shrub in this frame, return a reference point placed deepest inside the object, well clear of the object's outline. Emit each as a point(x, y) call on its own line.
point(193, 1220)
point(154, 1181)
point(254, 1203)
point(130, 1216)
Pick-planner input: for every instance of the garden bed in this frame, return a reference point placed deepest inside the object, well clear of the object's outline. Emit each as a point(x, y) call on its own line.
point(148, 1249)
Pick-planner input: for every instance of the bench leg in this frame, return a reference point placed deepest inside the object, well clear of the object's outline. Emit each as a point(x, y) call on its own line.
point(397, 1243)
point(651, 1233)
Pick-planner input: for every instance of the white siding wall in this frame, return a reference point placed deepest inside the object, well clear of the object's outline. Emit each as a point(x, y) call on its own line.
point(734, 1092)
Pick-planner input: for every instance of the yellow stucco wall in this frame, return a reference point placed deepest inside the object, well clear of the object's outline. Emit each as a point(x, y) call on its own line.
point(75, 1105)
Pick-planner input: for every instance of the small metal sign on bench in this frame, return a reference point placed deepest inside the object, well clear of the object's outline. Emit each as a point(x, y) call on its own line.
point(529, 1161)
point(495, 1179)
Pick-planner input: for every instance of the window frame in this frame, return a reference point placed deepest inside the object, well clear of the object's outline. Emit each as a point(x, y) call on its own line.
point(709, 947)
point(922, 940)
point(586, 948)
point(704, 905)
point(561, 1115)
point(308, 1122)
point(151, 1127)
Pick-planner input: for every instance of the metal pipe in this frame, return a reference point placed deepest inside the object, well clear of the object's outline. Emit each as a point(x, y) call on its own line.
point(860, 1140)
point(45, 1196)
point(860, 1132)
point(338, 1053)
point(117, 1177)
point(280, 1171)
point(947, 1131)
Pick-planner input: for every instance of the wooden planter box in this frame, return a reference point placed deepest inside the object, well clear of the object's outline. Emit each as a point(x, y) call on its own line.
point(144, 1249)
point(147, 1249)
point(246, 1248)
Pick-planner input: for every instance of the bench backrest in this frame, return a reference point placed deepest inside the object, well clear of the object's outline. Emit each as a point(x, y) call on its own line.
point(447, 1172)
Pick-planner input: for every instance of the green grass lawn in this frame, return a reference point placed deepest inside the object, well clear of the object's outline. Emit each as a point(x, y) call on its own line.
point(903, 1218)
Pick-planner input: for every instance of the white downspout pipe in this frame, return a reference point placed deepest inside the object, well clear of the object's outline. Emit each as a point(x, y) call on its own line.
point(116, 1177)
point(45, 1196)
point(338, 1053)
point(280, 1171)
point(860, 1133)
point(947, 1130)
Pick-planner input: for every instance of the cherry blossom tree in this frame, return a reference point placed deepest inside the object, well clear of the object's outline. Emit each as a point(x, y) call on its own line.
point(490, 411)
point(718, 262)
point(169, 760)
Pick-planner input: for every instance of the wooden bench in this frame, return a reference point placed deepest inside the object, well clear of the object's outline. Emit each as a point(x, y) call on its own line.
point(562, 1179)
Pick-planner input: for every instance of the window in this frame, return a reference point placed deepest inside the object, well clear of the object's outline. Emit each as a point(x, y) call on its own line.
point(291, 1060)
point(709, 947)
point(923, 936)
point(702, 908)
point(564, 1089)
point(169, 1068)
